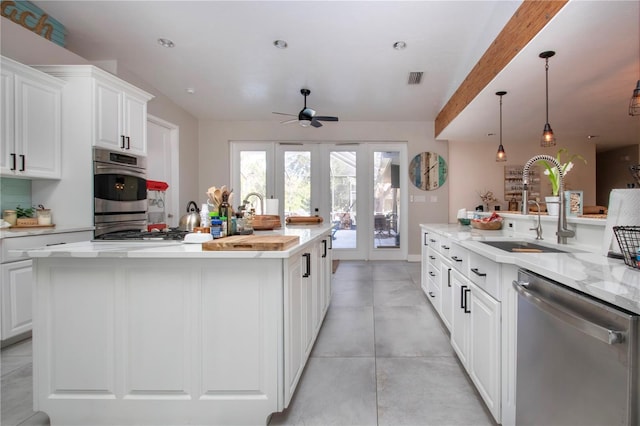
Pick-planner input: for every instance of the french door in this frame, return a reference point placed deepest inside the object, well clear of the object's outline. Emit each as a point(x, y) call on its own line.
point(356, 187)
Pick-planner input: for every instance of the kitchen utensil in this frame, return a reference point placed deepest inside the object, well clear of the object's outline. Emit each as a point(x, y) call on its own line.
point(191, 219)
point(303, 220)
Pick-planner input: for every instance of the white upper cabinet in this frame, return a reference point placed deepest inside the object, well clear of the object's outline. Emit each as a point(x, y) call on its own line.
point(31, 122)
point(120, 118)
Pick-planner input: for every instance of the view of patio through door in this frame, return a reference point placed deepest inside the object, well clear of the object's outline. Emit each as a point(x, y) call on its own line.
point(355, 187)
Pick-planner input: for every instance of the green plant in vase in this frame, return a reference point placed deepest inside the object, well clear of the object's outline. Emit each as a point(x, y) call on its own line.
point(24, 213)
point(552, 172)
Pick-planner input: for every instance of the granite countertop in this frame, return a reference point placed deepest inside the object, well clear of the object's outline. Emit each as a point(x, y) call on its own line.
point(175, 249)
point(595, 274)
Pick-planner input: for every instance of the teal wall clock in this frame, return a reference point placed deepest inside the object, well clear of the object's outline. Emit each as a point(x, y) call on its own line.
point(428, 171)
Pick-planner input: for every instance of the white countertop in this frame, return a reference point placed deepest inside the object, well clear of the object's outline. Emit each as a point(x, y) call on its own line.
point(610, 280)
point(175, 249)
point(26, 232)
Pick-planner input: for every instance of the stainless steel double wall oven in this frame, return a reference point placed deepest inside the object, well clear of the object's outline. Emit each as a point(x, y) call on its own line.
point(120, 192)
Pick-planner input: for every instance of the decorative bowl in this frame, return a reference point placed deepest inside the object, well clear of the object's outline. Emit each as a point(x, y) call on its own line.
point(489, 226)
point(464, 221)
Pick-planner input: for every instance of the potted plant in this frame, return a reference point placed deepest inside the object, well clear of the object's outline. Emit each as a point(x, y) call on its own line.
point(25, 217)
point(551, 171)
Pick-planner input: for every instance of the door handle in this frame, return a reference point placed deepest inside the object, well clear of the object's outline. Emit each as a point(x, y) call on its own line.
point(466, 301)
point(128, 142)
point(122, 140)
point(324, 248)
point(13, 161)
point(22, 158)
point(462, 288)
point(480, 274)
point(308, 262)
point(448, 277)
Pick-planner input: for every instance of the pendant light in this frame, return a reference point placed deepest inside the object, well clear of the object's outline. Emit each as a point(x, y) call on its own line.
point(548, 138)
point(634, 103)
point(501, 155)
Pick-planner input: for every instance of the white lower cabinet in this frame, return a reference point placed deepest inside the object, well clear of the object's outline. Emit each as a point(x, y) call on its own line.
point(460, 287)
point(16, 298)
point(446, 292)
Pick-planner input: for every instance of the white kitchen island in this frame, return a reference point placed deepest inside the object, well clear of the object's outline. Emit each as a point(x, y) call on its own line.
point(165, 333)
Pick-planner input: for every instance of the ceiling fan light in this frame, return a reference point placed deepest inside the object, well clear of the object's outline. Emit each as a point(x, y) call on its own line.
point(548, 138)
point(634, 103)
point(305, 123)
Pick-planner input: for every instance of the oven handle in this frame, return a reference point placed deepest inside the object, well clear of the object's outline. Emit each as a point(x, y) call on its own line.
point(110, 170)
point(564, 314)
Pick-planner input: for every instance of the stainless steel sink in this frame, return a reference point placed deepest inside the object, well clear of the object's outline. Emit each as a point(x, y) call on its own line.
point(522, 247)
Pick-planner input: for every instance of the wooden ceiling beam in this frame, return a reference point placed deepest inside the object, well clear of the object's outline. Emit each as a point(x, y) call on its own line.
point(526, 22)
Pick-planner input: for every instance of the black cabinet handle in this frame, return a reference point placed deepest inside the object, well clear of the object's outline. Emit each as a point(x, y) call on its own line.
point(13, 161)
point(128, 142)
point(308, 273)
point(123, 145)
point(466, 301)
point(448, 277)
point(462, 288)
point(480, 274)
point(456, 258)
point(432, 240)
point(432, 274)
point(445, 247)
point(432, 257)
point(324, 248)
point(431, 294)
point(23, 168)
point(55, 244)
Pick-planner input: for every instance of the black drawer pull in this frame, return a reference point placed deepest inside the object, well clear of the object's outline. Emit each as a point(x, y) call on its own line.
point(431, 294)
point(432, 274)
point(456, 258)
point(432, 240)
point(480, 274)
point(445, 247)
point(432, 257)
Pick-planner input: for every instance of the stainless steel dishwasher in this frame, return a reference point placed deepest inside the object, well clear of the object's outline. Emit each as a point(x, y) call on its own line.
point(577, 358)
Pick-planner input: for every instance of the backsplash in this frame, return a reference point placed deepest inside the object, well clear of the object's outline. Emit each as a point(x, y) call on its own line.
point(14, 192)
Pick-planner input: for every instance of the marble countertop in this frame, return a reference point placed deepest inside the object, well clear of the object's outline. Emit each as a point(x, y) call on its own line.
point(595, 274)
point(26, 232)
point(175, 249)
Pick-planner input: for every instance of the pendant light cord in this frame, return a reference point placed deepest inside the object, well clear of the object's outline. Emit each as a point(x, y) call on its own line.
point(546, 70)
point(500, 120)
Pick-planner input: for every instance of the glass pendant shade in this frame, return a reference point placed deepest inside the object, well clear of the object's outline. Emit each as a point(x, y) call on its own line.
point(548, 138)
point(634, 103)
point(501, 155)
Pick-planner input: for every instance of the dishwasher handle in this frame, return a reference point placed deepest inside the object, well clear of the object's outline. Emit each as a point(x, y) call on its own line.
point(603, 334)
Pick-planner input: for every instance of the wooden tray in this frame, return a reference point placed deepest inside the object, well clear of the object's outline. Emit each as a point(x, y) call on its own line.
point(31, 226)
point(266, 222)
point(252, 242)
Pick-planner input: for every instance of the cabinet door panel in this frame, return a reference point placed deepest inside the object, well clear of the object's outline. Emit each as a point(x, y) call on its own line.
point(37, 128)
point(446, 294)
point(7, 116)
point(109, 116)
point(16, 298)
point(135, 124)
point(460, 319)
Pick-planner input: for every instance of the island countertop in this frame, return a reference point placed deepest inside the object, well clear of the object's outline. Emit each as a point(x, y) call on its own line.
point(176, 249)
point(592, 273)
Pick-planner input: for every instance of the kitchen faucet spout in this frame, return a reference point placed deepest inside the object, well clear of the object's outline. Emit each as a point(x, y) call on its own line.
point(258, 196)
point(563, 233)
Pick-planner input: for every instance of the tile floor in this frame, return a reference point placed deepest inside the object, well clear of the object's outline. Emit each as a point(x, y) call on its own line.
point(382, 358)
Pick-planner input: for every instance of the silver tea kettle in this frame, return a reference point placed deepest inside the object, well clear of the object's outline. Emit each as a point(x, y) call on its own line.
point(191, 219)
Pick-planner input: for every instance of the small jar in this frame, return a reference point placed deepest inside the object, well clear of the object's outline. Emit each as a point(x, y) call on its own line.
point(216, 226)
point(10, 216)
point(43, 216)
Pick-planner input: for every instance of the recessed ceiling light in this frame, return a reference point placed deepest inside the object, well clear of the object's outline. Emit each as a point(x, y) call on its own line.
point(165, 42)
point(191, 90)
point(280, 44)
point(399, 45)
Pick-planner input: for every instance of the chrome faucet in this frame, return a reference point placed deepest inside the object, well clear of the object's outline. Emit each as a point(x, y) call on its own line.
point(538, 228)
point(255, 194)
point(562, 231)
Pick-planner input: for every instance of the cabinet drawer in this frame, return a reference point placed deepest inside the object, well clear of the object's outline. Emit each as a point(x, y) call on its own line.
point(434, 258)
point(34, 241)
point(431, 240)
point(459, 258)
point(485, 274)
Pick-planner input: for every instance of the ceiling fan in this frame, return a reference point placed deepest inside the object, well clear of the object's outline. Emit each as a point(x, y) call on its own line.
point(307, 116)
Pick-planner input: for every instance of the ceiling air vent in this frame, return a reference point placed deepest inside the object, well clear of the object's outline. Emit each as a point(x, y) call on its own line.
point(415, 77)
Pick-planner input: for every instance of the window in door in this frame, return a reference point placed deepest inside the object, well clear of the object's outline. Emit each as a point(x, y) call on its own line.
point(342, 169)
point(386, 199)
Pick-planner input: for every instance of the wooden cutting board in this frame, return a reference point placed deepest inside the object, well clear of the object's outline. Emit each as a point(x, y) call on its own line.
point(252, 242)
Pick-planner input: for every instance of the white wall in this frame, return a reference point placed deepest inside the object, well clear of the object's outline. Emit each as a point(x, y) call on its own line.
point(474, 169)
point(215, 159)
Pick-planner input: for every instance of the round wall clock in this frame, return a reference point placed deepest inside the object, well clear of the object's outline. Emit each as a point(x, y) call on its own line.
point(428, 171)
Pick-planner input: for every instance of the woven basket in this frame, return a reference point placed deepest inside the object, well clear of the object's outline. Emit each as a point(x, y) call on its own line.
point(26, 221)
point(487, 226)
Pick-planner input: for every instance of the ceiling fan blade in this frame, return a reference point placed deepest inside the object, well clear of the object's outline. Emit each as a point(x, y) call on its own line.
point(284, 113)
point(295, 120)
point(315, 123)
point(325, 118)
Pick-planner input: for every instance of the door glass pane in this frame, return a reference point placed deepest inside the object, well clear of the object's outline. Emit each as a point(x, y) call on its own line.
point(297, 183)
point(342, 166)
point(253, 177)
point(386, 199)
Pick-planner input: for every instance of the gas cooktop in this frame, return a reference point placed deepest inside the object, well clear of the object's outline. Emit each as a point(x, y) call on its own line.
point(167, 234)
